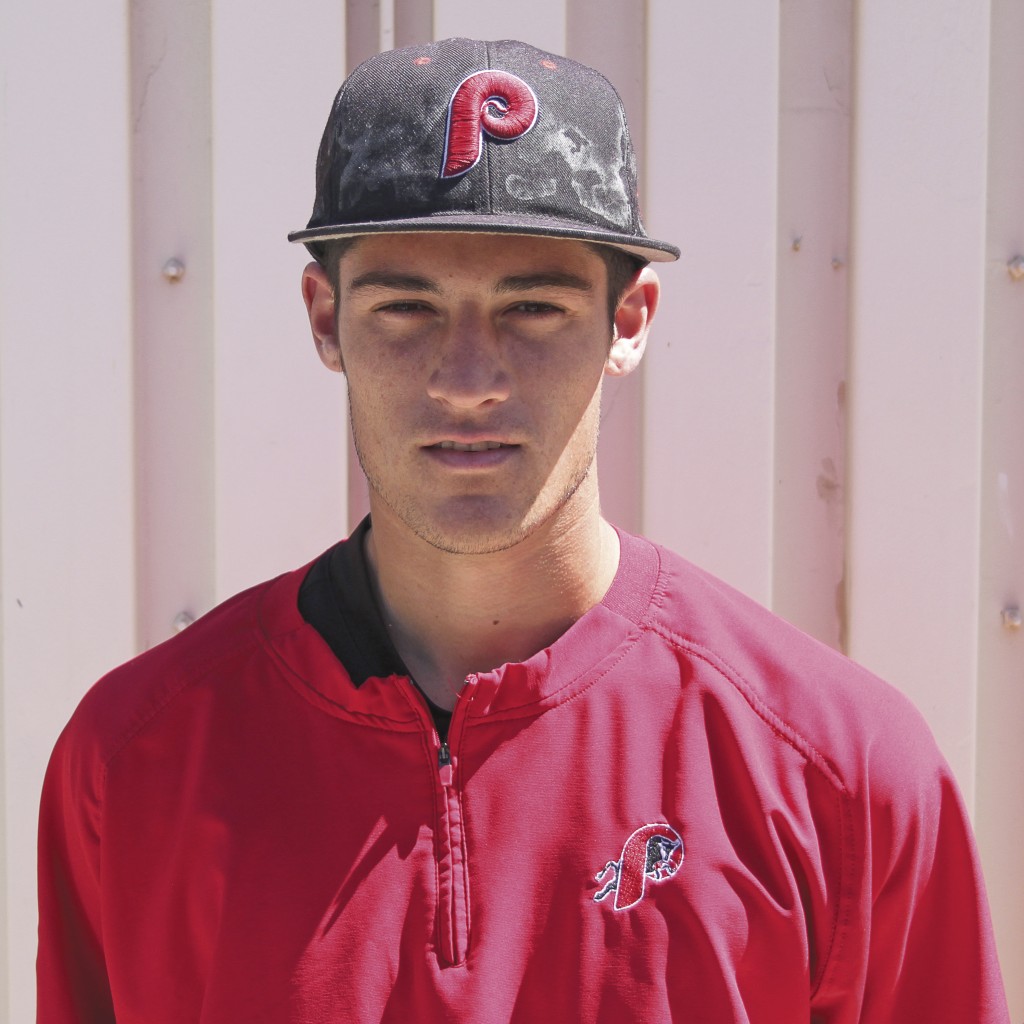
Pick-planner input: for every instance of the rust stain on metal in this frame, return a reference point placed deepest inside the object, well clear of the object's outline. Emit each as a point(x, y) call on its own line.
point(829, 487)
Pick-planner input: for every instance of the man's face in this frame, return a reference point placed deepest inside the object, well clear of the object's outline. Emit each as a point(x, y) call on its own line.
point(474, 366)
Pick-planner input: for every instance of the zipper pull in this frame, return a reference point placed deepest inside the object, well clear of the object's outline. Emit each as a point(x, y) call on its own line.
point(444, 764)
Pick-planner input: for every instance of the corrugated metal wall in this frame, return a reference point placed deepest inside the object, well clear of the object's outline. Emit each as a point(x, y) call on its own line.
point(830, 416)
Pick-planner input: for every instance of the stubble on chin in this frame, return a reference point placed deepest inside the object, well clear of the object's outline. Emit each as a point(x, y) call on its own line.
point(480, 529)
point(474, 525)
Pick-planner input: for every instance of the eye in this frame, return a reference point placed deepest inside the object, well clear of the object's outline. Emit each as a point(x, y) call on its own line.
point(536, 308)
point(403, 307)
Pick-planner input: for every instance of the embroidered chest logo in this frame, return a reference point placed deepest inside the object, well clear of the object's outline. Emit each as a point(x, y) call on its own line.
point(652, 853)
point(494, 102)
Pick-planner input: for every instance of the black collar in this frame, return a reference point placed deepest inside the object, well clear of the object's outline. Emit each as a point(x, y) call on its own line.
point(337, 599)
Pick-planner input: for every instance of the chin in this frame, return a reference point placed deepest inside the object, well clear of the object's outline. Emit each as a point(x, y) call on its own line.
point(474, 531)
point(481, 524)
point(477, 527)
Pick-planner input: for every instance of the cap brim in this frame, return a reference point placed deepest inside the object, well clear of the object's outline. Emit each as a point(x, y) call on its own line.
point(646, 248)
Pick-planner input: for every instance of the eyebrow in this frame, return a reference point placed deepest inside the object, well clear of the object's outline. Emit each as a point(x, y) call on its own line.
point(399, 282)
point(512, 283)
point(544, 279)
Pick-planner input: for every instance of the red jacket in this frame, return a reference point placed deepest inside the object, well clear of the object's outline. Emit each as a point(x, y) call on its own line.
point(684, 809)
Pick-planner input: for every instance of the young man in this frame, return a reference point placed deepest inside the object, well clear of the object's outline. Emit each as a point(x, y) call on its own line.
point(490, 759)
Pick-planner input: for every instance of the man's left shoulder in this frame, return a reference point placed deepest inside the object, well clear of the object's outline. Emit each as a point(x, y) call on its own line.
point(806, 692)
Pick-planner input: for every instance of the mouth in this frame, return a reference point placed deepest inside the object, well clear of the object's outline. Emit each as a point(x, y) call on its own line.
point(483, 456)
point(475, 446)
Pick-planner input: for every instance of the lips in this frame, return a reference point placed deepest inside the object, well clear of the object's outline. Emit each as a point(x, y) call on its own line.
point(472, 455)
point(475, 446)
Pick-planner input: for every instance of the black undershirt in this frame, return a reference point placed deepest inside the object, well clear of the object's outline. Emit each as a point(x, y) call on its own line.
point(337, 599)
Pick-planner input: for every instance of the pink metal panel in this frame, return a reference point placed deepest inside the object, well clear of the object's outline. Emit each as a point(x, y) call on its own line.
point(915, 385)
point(712, 119)
point(540, 22)
point(362, 31)
point(173, 314)
point(613, 39)
point(808, 586)
point(66, 509)
point(1000, 789)
point(280, 457)
point(413, 21)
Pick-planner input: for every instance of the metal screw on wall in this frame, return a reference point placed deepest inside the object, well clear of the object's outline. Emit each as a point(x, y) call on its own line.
point(174, 270)
point(1016, 268)
point(1012, 619)
point(181, 621)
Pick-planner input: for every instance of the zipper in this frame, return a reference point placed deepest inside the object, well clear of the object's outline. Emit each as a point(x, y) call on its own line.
point(450, 845)
point(444, 764)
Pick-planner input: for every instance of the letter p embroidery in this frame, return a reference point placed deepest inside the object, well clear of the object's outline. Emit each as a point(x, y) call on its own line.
point(495, 102)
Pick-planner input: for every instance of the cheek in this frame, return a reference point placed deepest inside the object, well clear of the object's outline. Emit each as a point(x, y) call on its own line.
point(574, 411)
point(373, 406)
point(576, 382)
point(374, 402)
point(397, 364)
point(382, 377)
point(566, 367)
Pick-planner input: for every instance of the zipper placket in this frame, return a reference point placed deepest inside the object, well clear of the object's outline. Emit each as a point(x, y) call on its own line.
point(452, 869)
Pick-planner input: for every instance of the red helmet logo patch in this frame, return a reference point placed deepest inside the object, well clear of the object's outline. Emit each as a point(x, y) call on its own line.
point(652, 853)
point(495, 102)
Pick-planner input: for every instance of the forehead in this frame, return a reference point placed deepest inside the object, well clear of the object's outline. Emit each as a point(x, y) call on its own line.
point(482, 255)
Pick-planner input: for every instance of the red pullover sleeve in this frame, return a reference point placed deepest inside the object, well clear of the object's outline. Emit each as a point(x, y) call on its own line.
point(918, 942)
point(70, 968)
point(931, 954)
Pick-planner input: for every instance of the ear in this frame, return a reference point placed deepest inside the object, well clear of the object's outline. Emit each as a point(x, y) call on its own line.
point(318, 295)
point(632, 322)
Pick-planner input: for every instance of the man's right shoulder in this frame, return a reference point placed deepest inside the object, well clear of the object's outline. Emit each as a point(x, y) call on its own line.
point(211, 652)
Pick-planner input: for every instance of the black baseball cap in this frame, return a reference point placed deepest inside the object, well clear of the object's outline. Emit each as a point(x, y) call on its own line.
point(470, 136)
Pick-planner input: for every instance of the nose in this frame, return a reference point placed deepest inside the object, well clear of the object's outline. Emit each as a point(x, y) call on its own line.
point(469, 369)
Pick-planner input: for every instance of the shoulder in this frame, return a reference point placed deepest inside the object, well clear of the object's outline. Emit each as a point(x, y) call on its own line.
point(857, 728)
point(208, 654)
point(820, 738)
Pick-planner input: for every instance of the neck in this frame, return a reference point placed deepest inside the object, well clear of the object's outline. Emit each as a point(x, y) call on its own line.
point(450, 615)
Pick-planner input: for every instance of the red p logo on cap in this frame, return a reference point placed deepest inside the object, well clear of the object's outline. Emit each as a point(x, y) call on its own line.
point(495, 102)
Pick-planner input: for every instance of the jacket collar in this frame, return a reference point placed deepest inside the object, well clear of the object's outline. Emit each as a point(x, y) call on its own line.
point(362, 684)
